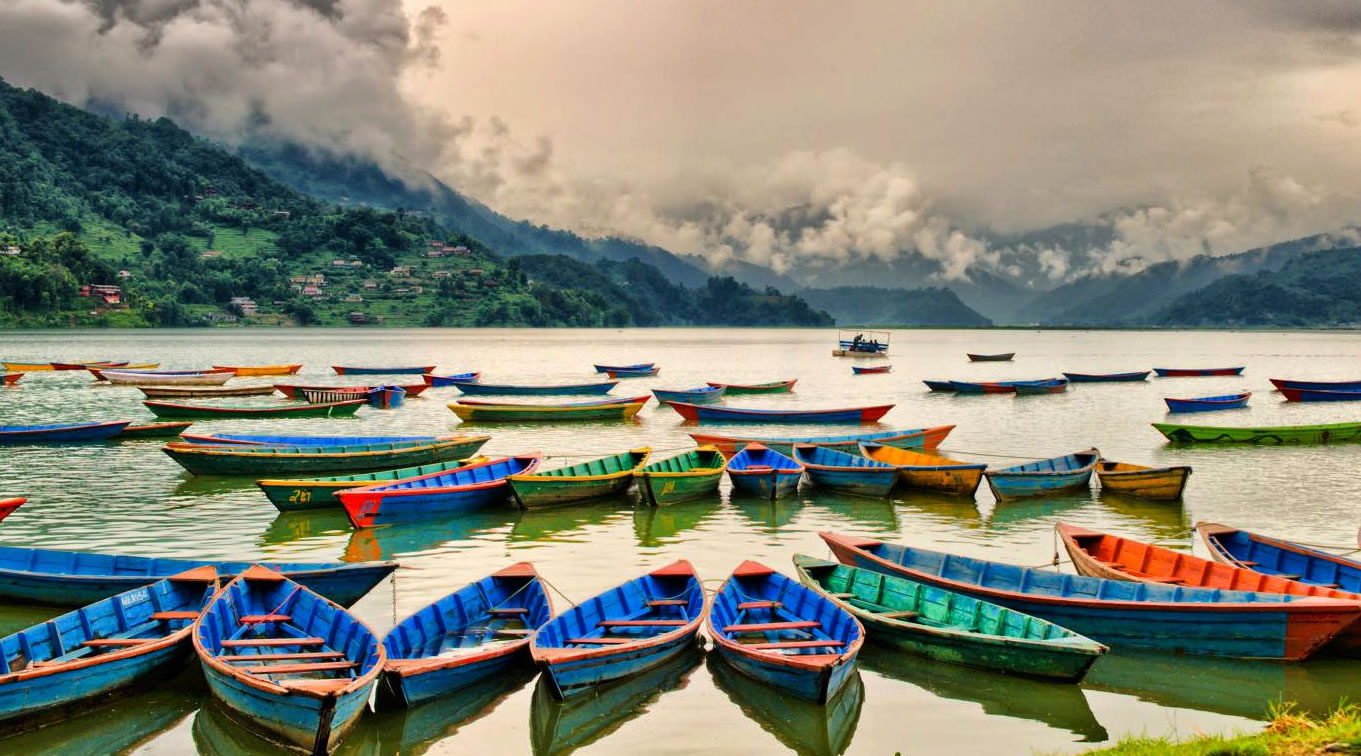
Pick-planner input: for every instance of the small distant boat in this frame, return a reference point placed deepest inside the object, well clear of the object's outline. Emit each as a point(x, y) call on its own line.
point(702, 414)
point(173, 392)
point(1321, 395)
point(1048, 386)
point(28, 367)
point(153, 430)
point(451, 380)
point(706, 395)
point(344, 370)
point(638, 373)
point(320, 493)
point(212, 378)
point(857, 370)
point(8, 506)
point(98, 373)
point(250, 459)
point(622, 632)
point(555, 405)
point(1043, 476)
point(59, 434)
point(249, 439)
point(928, 471)
point(764, 472)
point(942, 386)
point(1042, 385)
point(1138, 375)
point(9, 379)
point(917, 438)
point(372, 395)
point(999, 357)
point(1188, 372)
point(1209, 403)
point(621, 409)
point(300, 392)
point(774, 630)
point(1281, 435)
point(847, 473)
point(773, 387)
point(440, 494)
point(479, 631)
point(1273, 556)
point(86, 365)
point(619, 368)
point(260, 369)
point(477, 388)
point(217, 411)
point(856, 342)
point(1157, 483)
point(1283, 383)
point(585, 480)
point(688, 475)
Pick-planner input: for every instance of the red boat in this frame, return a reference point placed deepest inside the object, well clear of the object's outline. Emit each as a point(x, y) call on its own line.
point(714, 414)
point(870, 370)
point(7, 506)
point(1188, 372)
point(295, 392)
point(85, 365)
point(10, 379)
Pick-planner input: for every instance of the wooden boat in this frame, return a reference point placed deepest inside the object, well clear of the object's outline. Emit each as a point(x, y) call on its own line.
point(983, 387)
point(707, 395)
point(773, 387)
point(1280, 558)
point(217, 411)
point(1048, 386)
point(846, 473)
point(639, 366)
point(623, 409)
point(763, 472)
point(948, 626)
point(476, 388)
point(366, 394)
point(344, 370)
point(874, 370)
point(246, 459)
point(450, 380)
point(251, 439)
point(300, 392)
point(622, 632)
point(1285, 383)
point(86, 365)
point(1189, 372)
point(98, 373)
point(942, 386)
point(1137, 375)
point(1282, 435)
point(639, 373)
point(605, 476)
point(1120, 613)
point(1044, 476)
point(297, 667)
point(173, 392)
point(927, 471)
point(555, 405)
point(688, 475)
point(480, 631)
point(60, 434)
point(776, 631)
point(856, 342)
point(260, 369)
point(924, 438)
point(696, 413)
point(439, 494)
point(71, 660)
point(1209, 403)
point(1000, 357)
point(320, 493)
point(28, 367)
point(1158, 483)
point(1321, 395)
point(213, 378)
point(153, 430)
point(8, 506)
point(801, 726)
point(9, 379)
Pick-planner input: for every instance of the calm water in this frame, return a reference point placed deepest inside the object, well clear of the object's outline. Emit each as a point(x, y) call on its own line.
point(129, 497)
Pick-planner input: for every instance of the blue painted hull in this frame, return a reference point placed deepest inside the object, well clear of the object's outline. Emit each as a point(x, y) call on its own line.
point(876, 483)
point(50, 694)
point(1008, 486)
point(474, 388)
point(397, 509)
point(762, 483)
point(694, 397)
point(384, 371)
point(815, 685)
point(1107, 378)
point(576, 677)
point(438, 381)
point(294, 720)
point(250, 439)
point(1191, 405)
point(18, 434)
point(639, 366)
point(719, 415)
point(416, 689)
point(942, 386)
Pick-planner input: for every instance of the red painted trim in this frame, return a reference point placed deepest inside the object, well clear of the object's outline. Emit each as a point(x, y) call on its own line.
point(253, 410)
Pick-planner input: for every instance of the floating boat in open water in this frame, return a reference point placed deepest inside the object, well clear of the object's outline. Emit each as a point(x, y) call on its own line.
point(300, 392)
point(1043, 476)
point(253, 439)
point(704, 414)
point(477, 388)
point(441, 494)
point(86, 365)
point(1046, 386)
point(876, 369)
point(763, 472)
point(618, 409)
point(210, 411)
point(320, 493)
point(1274, 556)
point(210, 378)
point(915, 438)
point(707, 395)
point(174, 392)
point(617, 368)
point(239, 459)
point(1281, 435)
point(1157, 483)
point(1000, 357)
point(261, 369)
point(451, 380)
point(688, 475)
point(1131, 377)
point(928, 471)
point(1321, 395)
point(345, 370)
point(1286, 383)
point(773, 387)
point(8, 506)
point(605, 476)
point(847, 473)
point(646, 372)
point(153, 430)
point(10, 379)
point(941, 386)
point(1190, 372)
point(60, 434)
point(1209, 403)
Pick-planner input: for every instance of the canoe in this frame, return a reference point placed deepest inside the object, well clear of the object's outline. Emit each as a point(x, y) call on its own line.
point(1209, 403)
point(241, 459)
point(1138, 375)
point(688, 475)
point(60, 434)
point(9, 379)
point(1000, 357)
point(76, 578)
point(707, 395)
point(153, 430)
point(1044, 476)
point(320, 493)
point(98, 373)
point(846, 473)
point(300, 392)
point(69, 661)
point(297, 668)
point(371, 395)
point(1048, 386)
point(28, 367)
point(605, 476)
point(173, 392)
point(778, 632)
point(251, 439)
point(450, 380)
point(476, 388)
point(8, 506)
point(216, 411)
point(871, 370)
point(622, 632)
point(773, 387)
point(924, 438)
point(1274, 556)
point(942, 386)
point(1285, 383)
point(1158, 483)
point(343, 370)
point(622, 410)
point(1001, 387)
point(1118, 613)
point(260, 369)
point(1187, 372)
point(480, 631)
point(1281, 435)
point(555, 405)
point(1321, 395)
point(639, 373)
point(439, 494)
point(928, 471)
point(701, 414)
point(86, 365)
point(763, 472)
point(639, 366)
point(212, 378)
point(948, 626)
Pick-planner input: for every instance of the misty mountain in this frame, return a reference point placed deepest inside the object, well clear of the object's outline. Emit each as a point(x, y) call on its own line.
point(1312, 289)
point(869, 305)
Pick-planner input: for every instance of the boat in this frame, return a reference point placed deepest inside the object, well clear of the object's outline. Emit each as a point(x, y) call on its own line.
point(212, 378)
point(941, 386)
point(707, 395)
point(696, 413)
point(76, 578)
point(688, 475)
point(1281, 435)
point(622, 632)
point(385, 397)
point(296, 667)
point(773, 387)
point(1321, 395)
point(1285, 383)
point(320, 493)
point(251, 439)
point(247, 459)
point(86, 365)
point(480, 631)
point(1189, 372)
point(300, 392)
point(10, 379)
point(439, 494)
point(763, 472)
point(217, 411)
point(174, 392)
point(344, 370)
point(1278, 557)
point(999, 357)
point(623, 409)
point(1209, 403)
point(450, 380)
point(947, 626)
point(927, 471)
point(28, 367)
point(924, 438)
point(856, 342)
point(847, 473)
point(639, 366)
point(69, 661)
point(260, 369)
point(605, 476)
point(874, 370)
point(98, 373)
point(983, 387)
point(1131, 377)
point(774, 630)
point(1048, 386)
point(1119, 613)
point(60, 434)
point(477, 388)
point(555, 405)
point(639, 373)
point(8, 506)
point(1158, 483)
point(1044, 476)
point(153, 430)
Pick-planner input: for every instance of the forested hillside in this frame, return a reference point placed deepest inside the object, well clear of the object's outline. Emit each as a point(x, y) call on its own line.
point(1317, 289)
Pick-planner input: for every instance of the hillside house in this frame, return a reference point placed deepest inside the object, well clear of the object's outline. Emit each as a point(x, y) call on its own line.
point(247, 305)
point(400, 270)
point(354, 298)
point(110, 295)
point(210, 254)
point(370, 284)
point(440, 274)
point(10, 251)
point(125, 274)
point(460, 251)
point(311, 290)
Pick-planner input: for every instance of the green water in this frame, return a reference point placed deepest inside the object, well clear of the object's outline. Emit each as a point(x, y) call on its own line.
point(131, 498)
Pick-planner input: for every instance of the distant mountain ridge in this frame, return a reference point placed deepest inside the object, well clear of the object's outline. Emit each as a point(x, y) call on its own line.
point(869, 305)
point(1312, 289)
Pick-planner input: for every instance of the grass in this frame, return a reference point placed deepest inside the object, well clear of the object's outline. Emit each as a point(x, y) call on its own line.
point(1288, 734)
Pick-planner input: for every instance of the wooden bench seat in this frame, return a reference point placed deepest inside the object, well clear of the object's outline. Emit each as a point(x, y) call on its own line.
point(512, 631)
point(897, 615)
point(598, 641)
point(760, 605)
point(511, 610)
point(796, 644)
point(668, 602)
point(760, 627)
point(642, 623)
point(268, 642)
point(174, 615)
point(255, 619)
point(292, 669)
point(295, 655)
point(842, 595)
point(118, 642)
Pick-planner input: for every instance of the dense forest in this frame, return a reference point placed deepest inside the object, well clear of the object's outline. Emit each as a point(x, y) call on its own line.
point(1316, 289)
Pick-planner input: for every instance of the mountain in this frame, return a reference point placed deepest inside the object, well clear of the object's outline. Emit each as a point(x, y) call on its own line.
point(868, 305)
point(1313, 289)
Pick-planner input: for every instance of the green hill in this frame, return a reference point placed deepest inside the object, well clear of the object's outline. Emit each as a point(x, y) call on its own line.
point(871, 305)
point(1315, 289)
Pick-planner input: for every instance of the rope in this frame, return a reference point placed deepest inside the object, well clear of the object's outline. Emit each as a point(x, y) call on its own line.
point(394, 597)
point(555, 590)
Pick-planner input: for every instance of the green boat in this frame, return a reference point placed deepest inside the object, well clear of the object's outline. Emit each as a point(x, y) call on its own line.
point(201, 459)
point(153, 430)
point(773, 387)
point(219, 412)
point(947, 626)
point(320, 493)
point(1282, 435)
point(688, 475)
point(520, 413)
point(586, 480)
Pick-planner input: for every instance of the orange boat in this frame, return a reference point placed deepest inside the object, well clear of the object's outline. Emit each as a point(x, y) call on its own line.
point(260, 369)
point(7, 506)
point(9, 379)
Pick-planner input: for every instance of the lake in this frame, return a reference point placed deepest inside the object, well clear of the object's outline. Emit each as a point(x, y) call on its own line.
point(131, 498)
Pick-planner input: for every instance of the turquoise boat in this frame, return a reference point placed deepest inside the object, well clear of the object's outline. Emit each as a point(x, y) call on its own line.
point(847, 473)
point(1043, 476)
point(763, 472)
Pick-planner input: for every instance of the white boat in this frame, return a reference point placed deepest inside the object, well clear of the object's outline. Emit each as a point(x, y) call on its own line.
point(129, 378)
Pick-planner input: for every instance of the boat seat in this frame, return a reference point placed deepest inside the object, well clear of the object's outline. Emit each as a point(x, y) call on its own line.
point(812, 657)
point(842, 595)
point(174, 615)
point(598, 641)
point(295, 655)
point(273, 642)
point(642, 623)
point(1246, 563)
point(510, 610)
point(1145, 576)
point(289, 669)
point(795, 644)
point(760, 605)
point(117, 642)
point(897, 615)
point(255, 619)
point(667, 602)
point(760, 627)
point(512, 631)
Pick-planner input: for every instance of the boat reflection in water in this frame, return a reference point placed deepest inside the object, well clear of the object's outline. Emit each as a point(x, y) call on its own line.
point(939, 508)
point(395, 541)
point(1040, 512)
point(803, 726)
point(768, 516)
point(861, 514)
point(288, 527)
point(560, 522)
point(657, 526)
point(1162, 519)
point(415, 730)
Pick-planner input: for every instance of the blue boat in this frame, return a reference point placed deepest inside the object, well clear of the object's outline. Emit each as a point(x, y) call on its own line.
point(644, 372)
point(115, 642)
point(1043, 476)
point(60, 434)
point(1209, 403)
point(912, 438)
point(477, 388)
point(77, 578)
point(774, 630)
point(847, 473)
point(298, 668)
point(942, 386)
point(620, 368)
point(1138, 375)
point(1273, 556)
point(479, 631)
point(1284, 383)
point(437, 381)
point(763, 472)
point(705, 395)
point(245, 439)
point(440, 494)
point(417, 370)
point(623, 631)
point(583, 403)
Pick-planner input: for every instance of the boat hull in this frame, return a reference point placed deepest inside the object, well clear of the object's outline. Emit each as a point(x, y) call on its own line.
point(851, 415)
point(172, 392)
point(1004, 357)
point(1321, 395)
point(539, 492)
point(1022, 485)
point(661, 489)
point(367, 510)
point(574, 676)
point(60, 434)
point(475, 388)
point(153, 379)
point(504, 413)
point(1196, 372)
point(342, 370)
point(1159, 483)
point(769, 484)
point(260, 369)
point(10, 379)
point(1207, 405)
point(1261, 436)
point(873, 483)
point(1285, 383)
point(154, 430)
point(1138, 376)
point(923, 438)
point(774, 387)
point(200, 412)
point(203, 459)
point(411, 690)
point(960, 482)
point(817, 684)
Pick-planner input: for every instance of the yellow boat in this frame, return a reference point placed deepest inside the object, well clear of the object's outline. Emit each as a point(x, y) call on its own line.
point(1160, 483)
point(929, 471)
point(260, 369)
point(27, 367)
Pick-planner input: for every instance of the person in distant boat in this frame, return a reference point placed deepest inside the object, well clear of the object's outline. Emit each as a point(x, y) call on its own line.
point(855, 343)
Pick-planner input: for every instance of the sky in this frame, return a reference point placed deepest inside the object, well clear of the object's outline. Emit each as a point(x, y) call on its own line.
point(785, 132)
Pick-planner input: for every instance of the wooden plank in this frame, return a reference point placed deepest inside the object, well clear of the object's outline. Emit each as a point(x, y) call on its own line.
point(289, 669)
point(511, 610)
point(174, 615)
point(512, 631)
point(898, 615)
point(668, 602)
point(118, 642)
point(760, 605)
point(842, 595)
point(599, 641)
point(296, 655)
point(641, 623)
point(795, 644)
point(760, 627)
point(273, 642)
point(255, 619)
